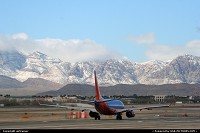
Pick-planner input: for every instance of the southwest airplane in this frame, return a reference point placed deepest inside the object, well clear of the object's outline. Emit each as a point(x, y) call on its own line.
point(107, 106)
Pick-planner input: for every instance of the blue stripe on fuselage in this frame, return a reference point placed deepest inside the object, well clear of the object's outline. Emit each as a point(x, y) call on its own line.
point(115, 104)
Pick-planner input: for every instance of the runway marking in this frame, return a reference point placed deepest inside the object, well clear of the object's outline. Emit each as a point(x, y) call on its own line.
point(102, 124)
point(90, 126)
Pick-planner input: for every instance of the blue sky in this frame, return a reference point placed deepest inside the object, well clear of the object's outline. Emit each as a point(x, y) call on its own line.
point(76, 30)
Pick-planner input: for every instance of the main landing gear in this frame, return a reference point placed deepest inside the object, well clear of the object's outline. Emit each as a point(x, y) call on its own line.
point(94, 115)
point(97, 117)
point(119, 116)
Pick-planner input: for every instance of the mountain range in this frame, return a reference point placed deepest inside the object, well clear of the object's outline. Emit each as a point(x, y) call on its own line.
point(17, 69)
point(182, 89)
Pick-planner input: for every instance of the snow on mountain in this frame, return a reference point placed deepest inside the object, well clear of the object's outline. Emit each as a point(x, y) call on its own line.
point(37, 65)
point(183, 69)
point(146, 70)
point(12, 60)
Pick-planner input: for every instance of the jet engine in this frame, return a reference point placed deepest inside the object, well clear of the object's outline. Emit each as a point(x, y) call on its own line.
point(130, 114)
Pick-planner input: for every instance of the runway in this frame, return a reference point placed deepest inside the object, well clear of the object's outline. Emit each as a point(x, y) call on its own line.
point(182, 117)
point(133, 123)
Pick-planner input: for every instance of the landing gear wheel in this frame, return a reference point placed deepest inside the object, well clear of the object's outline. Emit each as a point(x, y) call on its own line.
point(97, 117)
point(119, 117)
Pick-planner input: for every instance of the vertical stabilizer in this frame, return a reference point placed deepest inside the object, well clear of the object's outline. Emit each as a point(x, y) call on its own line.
point(98, 95)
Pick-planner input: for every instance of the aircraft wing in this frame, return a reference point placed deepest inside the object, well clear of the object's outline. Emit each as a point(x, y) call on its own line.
point(141, 108)
point(70, 107)
point(81, 108)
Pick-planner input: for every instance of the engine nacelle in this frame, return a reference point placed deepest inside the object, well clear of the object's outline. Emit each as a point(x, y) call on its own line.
point(93, 114)
point(130, 114)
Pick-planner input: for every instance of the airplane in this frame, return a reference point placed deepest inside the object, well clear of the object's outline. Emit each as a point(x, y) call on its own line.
point(104, 106)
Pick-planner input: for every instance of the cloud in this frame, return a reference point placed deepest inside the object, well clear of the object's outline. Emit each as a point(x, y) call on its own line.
point(159, 51)
point(168, 52)
point(67, 50)
point(148, 38)
point(163, 52)
point(193, 44)
point(20, 36)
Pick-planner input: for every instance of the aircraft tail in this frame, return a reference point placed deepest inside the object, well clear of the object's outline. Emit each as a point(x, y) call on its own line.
point(98, 95)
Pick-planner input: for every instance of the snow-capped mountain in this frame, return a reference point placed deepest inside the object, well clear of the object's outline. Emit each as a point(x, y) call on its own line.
point(183, 69)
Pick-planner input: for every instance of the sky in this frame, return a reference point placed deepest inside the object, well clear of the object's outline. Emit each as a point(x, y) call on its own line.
point(82, 30)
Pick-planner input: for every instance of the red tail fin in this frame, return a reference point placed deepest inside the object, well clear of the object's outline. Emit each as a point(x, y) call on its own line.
point(98, 95)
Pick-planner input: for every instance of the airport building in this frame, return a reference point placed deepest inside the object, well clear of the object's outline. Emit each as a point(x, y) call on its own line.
point(159, 98)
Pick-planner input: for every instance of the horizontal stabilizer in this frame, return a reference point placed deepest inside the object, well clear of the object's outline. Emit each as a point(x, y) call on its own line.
point(87, 101)
point(104, 100)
